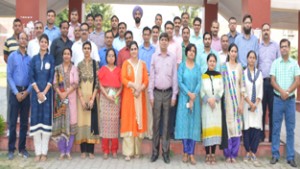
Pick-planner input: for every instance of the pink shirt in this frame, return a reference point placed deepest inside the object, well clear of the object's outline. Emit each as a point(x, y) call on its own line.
point(174, 48)
point(216, 44)
point(71, 35)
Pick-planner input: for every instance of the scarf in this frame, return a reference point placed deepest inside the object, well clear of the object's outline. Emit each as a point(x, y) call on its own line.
point(253, 97)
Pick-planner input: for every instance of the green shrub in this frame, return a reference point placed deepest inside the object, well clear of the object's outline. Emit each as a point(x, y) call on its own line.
point(2, 125)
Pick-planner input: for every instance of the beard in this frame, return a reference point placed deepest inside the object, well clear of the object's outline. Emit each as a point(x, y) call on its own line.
point(137, 20)
point(247, 31)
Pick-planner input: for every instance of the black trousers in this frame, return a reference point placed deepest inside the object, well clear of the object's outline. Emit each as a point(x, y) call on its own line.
point(87, 148)
point(267, 101)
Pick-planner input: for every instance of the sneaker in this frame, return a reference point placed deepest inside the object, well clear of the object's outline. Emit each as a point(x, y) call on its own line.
point(11, 155)
point(24, 154)
point(247, 158)
point(255, 162)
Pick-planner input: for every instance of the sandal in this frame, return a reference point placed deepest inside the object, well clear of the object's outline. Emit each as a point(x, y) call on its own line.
point(115, 155)
point(43, 158)
point(83, 156)
point(127, 158)
point(37, 158)
point(105, 156)
point(91, 156)
point(61, 157)
point(192, 160)
point(213, 159)
point(247, 158)
point(69, 157)
point(228, 160)
point(233, 160)
point(207, 159)
point(185, 158)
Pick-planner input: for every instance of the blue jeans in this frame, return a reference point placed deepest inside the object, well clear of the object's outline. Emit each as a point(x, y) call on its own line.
point(16, 108)
point(288, 109)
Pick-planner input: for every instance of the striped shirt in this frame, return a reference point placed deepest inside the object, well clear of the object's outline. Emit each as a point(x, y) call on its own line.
point(10, 45)
point(285, 72)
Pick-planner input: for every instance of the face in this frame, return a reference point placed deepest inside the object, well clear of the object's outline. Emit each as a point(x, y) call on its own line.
point(17, 27)
point(128, 39)
point(38, 29)
point(163, 43)
point(44, 44)
point(191, 53)
point(146, 36)
point(177, 24)
point(155, 34)
point(111, 57)
point(67, 56)
point(169, 29)
point(64, 29)
point(84, 32)
point(109, 38)
point(284, 49)
point(74, 16)
point(211, 63)
point(232, 25)
point(77, 32)
point(23, 40)
point(134, 51)
point(266, 32)
point(87, 50)
point(122, 30)
point(137, 17)
point(98, 22)
point(197, 26)
point(233, 53)
point(50, 18)
point(247, 26)
point(207, 41)
point(158, 20)
point(215, 29)
point(114, 23)
point(185, 20)
point(225, 43)
point(251, 59)
point(90, 21)
point(186, 35)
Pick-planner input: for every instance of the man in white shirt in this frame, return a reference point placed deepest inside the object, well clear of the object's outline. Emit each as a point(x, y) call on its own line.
point(177, 32)
point(33, 45)
point(224, 52)
point(119, 42)
point(137, 29)
point(78, 55)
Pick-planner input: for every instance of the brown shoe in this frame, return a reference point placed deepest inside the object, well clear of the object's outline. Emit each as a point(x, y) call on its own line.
point(213, 159)
point(207, 159)
point(185, 158)
point(192, 160)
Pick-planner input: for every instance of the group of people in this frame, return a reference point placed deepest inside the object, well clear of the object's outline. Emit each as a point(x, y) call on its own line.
point(81, 84)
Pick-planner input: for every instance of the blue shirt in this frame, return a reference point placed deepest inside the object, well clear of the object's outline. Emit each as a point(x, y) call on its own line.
point(18, 71)
point(244, 46)
point(102, 55)
point(201, 60)
point(146, 55)
point(52, 33)
point(231, 38)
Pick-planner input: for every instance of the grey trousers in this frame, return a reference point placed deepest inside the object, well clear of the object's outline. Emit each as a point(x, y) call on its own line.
point(161, 110)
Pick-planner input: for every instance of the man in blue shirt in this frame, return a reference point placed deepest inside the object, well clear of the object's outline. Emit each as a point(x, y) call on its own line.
point(232, 30)
point(51, 30)
point(18, 79)
point(246, 41)
point(108, 40)
point(146, 49)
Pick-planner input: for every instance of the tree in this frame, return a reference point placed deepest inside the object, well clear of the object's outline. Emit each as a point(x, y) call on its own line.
point(294, 53)
point(192, 10)
point(93, 8)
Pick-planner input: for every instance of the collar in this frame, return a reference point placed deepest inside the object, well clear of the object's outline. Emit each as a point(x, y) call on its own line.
point(19, 52)
point(53, 28)
point(229, 34)
point(281, 59)
point(150, 47)
point(271, 41)
point(160, 54)
point(217, 38)
point(100, 33)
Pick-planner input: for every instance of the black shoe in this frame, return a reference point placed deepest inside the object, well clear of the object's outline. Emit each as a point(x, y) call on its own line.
point(166, 158)
point(273, 160)
point(292, 163)
point(154, 158)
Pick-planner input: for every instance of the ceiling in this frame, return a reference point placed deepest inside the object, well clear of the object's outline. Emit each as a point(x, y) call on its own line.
point(284, 13)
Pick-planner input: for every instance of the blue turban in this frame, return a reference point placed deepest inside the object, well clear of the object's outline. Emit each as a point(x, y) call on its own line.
point(137, 8)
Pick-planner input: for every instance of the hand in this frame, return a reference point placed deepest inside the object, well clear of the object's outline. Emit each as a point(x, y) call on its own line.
point(25, 94)
point(41, 96)
point(111, 98)
point(253, 107)
point(173, 102)
point(91, 103)
point(19, 97)
point(212, 103)
point(136, 93)
point(191, 105)
point(63, 95)
point(240, 108)
point(192, 96)
point(284, 95)
point(152, 102)
point(83, 104)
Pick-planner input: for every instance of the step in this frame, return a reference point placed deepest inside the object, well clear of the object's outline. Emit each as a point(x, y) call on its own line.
point(176, 147)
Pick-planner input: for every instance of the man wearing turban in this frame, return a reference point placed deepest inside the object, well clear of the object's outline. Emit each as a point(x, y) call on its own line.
point(137, 30)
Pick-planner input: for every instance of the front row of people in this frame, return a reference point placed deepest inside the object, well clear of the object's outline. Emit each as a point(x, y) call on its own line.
point(231, 102)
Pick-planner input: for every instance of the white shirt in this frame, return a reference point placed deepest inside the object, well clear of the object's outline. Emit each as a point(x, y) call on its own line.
point(33, 47)
point(78, 55)
point(138, 34)
point(119, 43)
point(223, 57)
point(178, 38)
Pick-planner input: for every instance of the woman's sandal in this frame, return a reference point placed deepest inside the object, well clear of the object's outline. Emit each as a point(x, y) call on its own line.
point(228, 160)
point(91, 156)
point(192, 160)
point(213, 159)
point(185, 158)
point(115, 155)
point(69, 157)
point(105, 156)
point(233, 160)
point(127, 158)
point(207, 159)
point(61, 157)
point(37, 158)
point(43, 158)
point(83, 156)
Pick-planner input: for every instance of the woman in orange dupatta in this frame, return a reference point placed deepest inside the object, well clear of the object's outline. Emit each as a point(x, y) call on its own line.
point(133, 111)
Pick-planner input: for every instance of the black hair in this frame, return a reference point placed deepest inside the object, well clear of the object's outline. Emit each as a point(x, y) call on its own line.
point(176, 18)
point(169, 23)
point(231, 18)
point(115, 55)
point(155, 27)
point(284, 40)
point(185, 13)
point(207, 33)
point(133, 43)
point(17, 20)
point(158, 15)
point(265, 24)
point(84, 23)
point(211, 55)
point(246, 17)
point(122, 23)
point(87, 43)
point(98, 15)
point(251, 51)
point(44, 36)
point(109, 31)
point(197, 19)
point(114, 16)
point(62, 22)
point(128, 32)
point(229, 49)
point(51, 11)
point(147, 29)
point(74, 10)
point(89, 15)
point(189, 47)
point(67, 48)
point(184, 29)
point(164, 35)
